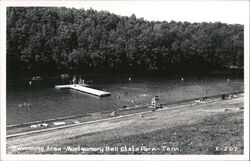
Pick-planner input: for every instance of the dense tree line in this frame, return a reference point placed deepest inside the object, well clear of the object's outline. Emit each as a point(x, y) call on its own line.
point(42, 38)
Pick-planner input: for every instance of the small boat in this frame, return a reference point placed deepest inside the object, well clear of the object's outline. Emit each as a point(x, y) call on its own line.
point(37, 78)
point(64, 76)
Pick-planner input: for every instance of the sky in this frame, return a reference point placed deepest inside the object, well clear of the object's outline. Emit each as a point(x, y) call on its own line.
point(193, 11)
point(226, 11)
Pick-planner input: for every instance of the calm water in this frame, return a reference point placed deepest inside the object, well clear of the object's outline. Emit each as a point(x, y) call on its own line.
point(48, 102)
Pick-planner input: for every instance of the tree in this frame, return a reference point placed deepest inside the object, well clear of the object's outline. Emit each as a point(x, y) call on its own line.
point(41, 38)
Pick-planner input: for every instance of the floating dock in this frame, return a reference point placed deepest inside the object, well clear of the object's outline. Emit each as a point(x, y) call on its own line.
point(84, 89)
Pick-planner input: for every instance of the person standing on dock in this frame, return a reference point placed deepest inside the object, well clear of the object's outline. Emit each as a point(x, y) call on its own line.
point(74, 80)
point(81, 81)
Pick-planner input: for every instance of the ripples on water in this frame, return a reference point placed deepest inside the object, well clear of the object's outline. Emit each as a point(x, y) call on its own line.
point(47, 102)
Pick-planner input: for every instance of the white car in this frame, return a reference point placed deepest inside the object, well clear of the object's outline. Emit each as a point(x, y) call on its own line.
point(39, 125)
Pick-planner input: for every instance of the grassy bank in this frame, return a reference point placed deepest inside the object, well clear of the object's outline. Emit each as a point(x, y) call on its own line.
point(222, 130)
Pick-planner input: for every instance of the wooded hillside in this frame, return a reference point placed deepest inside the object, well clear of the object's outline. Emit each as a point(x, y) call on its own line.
point(42, 38)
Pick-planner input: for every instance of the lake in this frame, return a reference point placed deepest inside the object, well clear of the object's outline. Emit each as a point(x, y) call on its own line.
point(47, 102)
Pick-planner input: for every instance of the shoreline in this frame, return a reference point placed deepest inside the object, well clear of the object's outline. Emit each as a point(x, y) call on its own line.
point(202, 120)
point(15, 130)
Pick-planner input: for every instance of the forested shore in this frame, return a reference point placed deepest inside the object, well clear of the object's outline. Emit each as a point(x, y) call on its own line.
point(51, 39)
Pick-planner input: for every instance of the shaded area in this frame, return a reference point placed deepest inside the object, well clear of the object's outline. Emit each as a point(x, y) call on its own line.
point(48, 38)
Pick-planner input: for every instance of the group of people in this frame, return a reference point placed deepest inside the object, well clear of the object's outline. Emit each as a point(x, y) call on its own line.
point(26, 105)
point(74, 80)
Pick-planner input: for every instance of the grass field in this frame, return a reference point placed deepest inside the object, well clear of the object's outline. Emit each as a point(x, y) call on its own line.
point(224, 131)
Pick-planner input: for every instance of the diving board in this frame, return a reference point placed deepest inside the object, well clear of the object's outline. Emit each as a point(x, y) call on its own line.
point(84, 89)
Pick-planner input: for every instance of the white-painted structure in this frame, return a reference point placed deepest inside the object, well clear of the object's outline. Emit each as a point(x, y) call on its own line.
point(58, 123)
point(84, 89)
